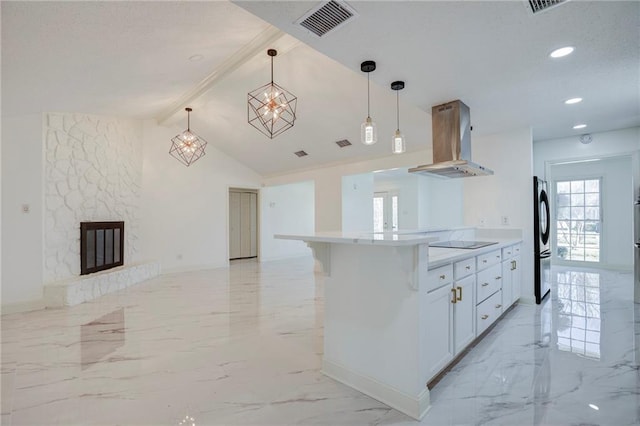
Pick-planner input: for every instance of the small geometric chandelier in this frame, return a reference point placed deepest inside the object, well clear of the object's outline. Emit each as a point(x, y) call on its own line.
point(398, 143)
point(187, 147)
point(271, 108)
point(368, 130)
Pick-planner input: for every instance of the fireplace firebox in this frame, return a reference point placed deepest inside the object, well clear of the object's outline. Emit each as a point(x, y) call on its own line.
point(101, 246)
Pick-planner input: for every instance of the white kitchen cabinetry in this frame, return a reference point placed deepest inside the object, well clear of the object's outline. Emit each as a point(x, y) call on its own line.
point(439, 336)
point(451, 311)
point(512, 275)
point(463, 317)
point(488, 290)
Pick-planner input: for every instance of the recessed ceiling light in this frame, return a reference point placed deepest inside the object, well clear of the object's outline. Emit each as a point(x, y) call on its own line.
point(573, 101)
point(579, 126)
point(196, 58)
point(563, 51)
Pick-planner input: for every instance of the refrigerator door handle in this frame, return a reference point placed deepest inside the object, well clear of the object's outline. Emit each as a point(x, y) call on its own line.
point(637, 245)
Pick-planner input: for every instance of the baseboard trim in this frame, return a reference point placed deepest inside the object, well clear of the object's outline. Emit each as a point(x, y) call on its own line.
point(413, 406)
point(16, 308)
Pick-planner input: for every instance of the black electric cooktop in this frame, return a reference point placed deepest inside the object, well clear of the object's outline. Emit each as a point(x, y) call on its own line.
point(462, 244)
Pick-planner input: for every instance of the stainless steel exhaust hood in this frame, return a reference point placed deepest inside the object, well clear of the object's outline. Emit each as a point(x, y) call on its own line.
point(451, 127)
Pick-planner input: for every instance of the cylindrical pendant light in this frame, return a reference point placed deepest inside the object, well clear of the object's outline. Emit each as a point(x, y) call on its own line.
point(368, 131)
point(399, 143)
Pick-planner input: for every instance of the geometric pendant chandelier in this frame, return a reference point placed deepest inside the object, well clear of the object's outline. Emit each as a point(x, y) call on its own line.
point(271, 108)
point(187, 147)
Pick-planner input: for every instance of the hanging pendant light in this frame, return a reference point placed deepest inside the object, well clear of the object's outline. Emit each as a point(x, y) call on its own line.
point(187, 147)
point(271, 108)
point(368, 131)
point(399, 143)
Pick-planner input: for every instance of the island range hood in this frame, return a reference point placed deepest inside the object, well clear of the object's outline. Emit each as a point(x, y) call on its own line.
point(451, 127)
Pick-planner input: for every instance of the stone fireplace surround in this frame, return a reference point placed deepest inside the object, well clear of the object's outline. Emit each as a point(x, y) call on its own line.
point(93, 172)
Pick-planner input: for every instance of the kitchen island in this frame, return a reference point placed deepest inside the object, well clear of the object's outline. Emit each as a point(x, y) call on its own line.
point(397, 312)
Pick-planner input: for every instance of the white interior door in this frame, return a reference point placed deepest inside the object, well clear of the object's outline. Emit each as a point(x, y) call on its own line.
point(385, 211)
point(243, 224)
point(234, 225)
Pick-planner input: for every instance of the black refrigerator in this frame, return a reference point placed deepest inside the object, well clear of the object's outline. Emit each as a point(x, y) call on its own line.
point(541, 240)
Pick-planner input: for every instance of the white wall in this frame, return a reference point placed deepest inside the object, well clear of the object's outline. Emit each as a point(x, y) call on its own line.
point(185, 209)
point(93, 172)
point(604, 144)
point(617, 205)
point(509, 192)
point(357, 203)
point(22, 233)
point(424, 201)
point(406, 186)
point(328, 183)
point(286, 209)
point(441, 202)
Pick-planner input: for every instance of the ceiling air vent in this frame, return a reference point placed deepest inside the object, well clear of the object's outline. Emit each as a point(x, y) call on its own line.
point(326, 17)
point(342, 143)
point(300, 153)
point(538, 6)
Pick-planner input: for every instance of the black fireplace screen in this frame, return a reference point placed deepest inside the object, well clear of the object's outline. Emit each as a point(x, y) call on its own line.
point(101, 246)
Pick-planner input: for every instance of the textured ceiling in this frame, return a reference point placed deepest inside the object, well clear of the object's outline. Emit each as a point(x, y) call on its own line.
point(132, 59)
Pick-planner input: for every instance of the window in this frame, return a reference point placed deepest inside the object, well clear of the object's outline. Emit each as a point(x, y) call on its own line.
point(385, 212)
point(578, 221)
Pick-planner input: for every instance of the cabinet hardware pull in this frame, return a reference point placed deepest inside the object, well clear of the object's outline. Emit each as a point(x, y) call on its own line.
point(460, 293)
point(484, 317)
point(453, 290)
point(498, 306)
point(484, 261)
point(442, 277)
point(498, 257)
point(498, 277)
point(513, 265)
point(468, 267)
point(485, 284)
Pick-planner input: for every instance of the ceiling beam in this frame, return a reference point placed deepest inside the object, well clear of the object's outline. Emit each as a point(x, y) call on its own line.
point(259, 43)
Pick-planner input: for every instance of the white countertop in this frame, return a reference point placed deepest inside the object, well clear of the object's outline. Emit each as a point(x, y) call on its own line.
point(370, 238)
point(441, 256)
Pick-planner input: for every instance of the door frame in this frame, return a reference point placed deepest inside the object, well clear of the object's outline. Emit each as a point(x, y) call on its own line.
point(242, 188)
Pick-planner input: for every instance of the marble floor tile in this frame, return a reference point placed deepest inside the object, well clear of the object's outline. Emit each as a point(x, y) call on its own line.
point(243, 345)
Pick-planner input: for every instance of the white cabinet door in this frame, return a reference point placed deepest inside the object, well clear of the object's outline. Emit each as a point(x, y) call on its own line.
point(516, 278)
point(464, 330)
point(439, 317)
point(507, 283)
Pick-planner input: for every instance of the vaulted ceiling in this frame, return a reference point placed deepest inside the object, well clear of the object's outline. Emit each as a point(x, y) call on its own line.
point(149, 60)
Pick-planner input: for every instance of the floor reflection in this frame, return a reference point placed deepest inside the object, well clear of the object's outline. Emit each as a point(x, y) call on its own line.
point(101, 337)
point(578, 301)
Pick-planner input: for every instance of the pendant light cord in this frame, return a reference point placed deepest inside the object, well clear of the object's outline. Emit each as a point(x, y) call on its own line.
point(272, 70)
point(398, 109)
point(188, 121)
point(368, 111)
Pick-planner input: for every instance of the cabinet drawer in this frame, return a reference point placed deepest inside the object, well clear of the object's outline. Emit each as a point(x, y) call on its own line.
point(489, 281)
point(488, 259)
point(516, 249)
point(511, 251)
point(438, 277)
point(487, 313)
point(464, 268)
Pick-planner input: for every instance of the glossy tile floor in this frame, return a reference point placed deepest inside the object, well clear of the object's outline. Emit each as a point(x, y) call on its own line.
point(243, 345)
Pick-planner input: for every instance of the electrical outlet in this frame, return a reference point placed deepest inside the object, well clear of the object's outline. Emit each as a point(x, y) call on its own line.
point(26, 208)
point(504, 220)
